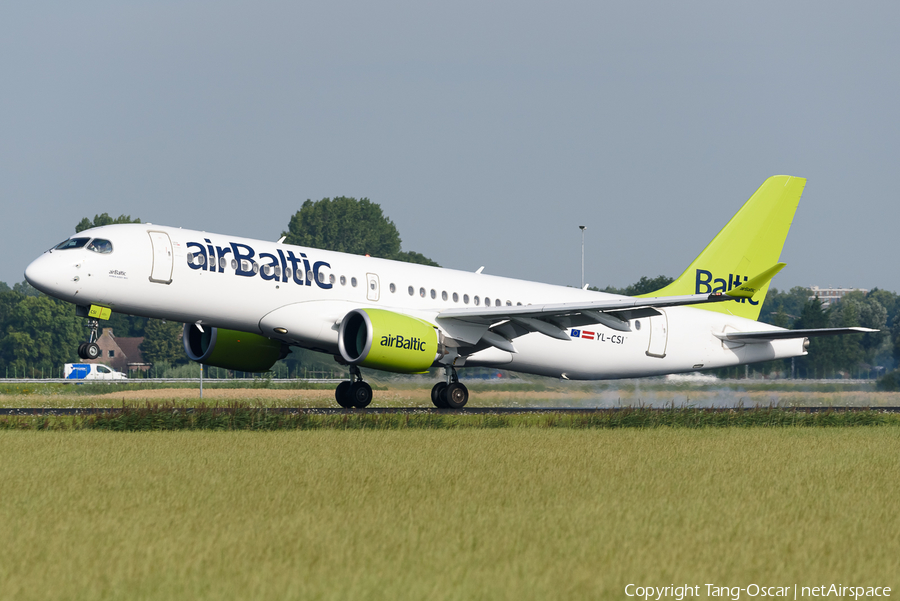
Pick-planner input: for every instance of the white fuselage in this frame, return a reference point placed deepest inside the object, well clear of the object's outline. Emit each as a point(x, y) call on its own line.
point(259, 286)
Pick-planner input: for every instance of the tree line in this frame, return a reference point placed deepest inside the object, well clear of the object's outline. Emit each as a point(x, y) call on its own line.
point(38, 334)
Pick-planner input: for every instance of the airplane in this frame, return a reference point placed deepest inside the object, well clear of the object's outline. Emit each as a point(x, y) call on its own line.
point(244, 303)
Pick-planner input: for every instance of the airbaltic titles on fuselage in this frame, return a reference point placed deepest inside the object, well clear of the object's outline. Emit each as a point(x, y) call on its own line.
point(248, 263)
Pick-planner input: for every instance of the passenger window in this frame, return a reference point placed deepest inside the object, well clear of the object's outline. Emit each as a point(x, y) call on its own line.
point(412, 290)
point(102, 369)
point(497, 302)
point(422, 292)
point(487, 301)
point(465, 299)
point(455, 297)
point(331, 279)
point(343, 280)
point(433, 293)
point(444, 295)
point(352, 281)
point(393, 288)
point(477, 300)
point(98, 245)
point(71, 243)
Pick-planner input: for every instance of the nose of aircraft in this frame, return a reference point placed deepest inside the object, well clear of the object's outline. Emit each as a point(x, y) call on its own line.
point(41, 274)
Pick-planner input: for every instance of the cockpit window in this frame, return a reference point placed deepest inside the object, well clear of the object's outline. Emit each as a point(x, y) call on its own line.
point(99, 245)
point(72, 243)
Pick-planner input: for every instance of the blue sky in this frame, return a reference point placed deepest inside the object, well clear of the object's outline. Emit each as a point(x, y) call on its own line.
point(487, 132)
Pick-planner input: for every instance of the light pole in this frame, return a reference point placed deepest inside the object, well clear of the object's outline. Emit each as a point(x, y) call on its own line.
point(582, 228)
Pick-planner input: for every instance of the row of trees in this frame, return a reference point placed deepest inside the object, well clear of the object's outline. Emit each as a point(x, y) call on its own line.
point(38, 332)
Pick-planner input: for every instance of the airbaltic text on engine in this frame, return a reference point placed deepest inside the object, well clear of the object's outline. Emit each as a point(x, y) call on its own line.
point(398, 341)
point(213, 258)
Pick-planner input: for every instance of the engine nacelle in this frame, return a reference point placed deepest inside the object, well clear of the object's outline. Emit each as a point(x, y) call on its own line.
point(230, 349)
point(388, 341)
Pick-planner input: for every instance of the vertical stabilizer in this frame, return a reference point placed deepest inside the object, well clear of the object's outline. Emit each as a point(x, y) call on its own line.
point(748, 245)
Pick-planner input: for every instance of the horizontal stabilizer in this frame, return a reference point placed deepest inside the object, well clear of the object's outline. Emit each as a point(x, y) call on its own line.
point(768, 335)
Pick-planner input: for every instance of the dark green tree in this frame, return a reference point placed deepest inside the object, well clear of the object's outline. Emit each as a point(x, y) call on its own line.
point(26, 289)
point(788, 304)
point(867, 350)
point(644, 285)
point(162, 342)
point(125, 326)
point(414, 257)
point(103, 219)
point(821, 360)
point(37, 332)
point(348, 225)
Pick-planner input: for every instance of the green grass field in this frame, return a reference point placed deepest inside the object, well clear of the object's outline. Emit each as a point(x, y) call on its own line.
point(514, 513)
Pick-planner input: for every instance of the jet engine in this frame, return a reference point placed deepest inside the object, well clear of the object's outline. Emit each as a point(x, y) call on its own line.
point(388, 341)
point(230, 349)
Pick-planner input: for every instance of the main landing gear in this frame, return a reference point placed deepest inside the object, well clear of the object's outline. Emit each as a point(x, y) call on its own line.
point(451, 394)
point(354, 392)
point(90, 349)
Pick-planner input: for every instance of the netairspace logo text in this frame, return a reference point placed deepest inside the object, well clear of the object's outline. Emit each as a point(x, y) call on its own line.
point(753, 591)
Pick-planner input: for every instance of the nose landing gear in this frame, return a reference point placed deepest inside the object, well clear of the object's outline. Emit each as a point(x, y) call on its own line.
point(90, 350)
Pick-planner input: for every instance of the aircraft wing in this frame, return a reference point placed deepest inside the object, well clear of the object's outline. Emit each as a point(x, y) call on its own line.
point(496, 326)
point(766, 336)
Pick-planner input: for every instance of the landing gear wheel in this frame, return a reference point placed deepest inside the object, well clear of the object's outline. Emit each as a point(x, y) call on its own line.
point(360, 394)
point(455, 395)
point(91, 351)
point(342, 395)
point(436, 392)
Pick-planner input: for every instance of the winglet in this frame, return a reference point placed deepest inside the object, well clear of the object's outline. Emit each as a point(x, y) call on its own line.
point(755, 284)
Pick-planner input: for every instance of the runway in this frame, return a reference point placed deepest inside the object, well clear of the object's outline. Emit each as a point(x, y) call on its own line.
point(31, 411)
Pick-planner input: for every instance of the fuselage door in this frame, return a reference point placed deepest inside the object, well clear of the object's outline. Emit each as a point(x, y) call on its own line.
point(659, 335)
point(373, 289)
point(161, 272)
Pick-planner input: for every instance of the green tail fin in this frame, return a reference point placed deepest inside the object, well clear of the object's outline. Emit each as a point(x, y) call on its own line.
point(746, 247)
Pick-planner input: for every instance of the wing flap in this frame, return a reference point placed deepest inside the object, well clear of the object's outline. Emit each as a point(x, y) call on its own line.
point(621, 306)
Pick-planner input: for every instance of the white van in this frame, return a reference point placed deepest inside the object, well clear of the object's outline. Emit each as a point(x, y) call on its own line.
point(90, 371)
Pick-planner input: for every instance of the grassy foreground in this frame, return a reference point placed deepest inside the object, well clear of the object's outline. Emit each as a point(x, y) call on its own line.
point(154, 417)
point(514, 513)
